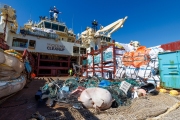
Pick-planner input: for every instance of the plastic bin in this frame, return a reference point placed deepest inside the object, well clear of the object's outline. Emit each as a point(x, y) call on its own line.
point(169, 68)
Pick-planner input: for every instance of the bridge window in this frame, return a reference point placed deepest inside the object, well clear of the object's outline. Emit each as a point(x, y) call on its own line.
point(54, 27)
point(41, 25)
point(47, 25)
point(61, 28)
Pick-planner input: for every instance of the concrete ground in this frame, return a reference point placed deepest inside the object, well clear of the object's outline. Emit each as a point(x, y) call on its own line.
point(23, 103)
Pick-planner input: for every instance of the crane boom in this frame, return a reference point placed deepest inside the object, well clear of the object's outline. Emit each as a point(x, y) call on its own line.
point(108, 30)
point(91, 37)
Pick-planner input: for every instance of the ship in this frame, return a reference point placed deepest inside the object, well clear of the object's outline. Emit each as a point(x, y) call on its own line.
point(53, 46)
point(49, 46)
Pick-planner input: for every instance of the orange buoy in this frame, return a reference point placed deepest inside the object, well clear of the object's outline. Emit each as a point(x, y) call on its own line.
point(33, 75)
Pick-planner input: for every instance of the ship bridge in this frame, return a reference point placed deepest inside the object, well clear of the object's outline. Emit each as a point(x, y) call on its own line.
point(52, 25)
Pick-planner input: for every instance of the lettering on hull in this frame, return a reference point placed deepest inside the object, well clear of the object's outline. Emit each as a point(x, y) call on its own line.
point(55, 47)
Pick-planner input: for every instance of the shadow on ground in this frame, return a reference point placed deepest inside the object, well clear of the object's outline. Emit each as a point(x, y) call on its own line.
point(22, 105)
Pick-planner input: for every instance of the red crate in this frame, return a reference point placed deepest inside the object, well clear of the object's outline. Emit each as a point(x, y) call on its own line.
point(173, 46)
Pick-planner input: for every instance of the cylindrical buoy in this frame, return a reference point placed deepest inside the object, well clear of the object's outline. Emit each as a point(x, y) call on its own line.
point(173, 92)
point(163, 90)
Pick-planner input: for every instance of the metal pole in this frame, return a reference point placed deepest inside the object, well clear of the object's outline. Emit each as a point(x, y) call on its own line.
point(79, 59)
point(5, 26)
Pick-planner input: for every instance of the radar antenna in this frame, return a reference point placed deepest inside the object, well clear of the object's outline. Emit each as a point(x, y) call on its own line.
point(94, 25)
point(54, 13)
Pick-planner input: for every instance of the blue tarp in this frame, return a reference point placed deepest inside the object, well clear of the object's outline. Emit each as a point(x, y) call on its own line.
point(104, 83)
point(28, 66)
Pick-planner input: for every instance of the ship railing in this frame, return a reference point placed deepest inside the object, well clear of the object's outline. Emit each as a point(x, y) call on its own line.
point(40, 34)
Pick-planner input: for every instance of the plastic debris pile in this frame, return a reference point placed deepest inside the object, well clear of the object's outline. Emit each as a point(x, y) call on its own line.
point(136, 62)
point(70, 90)
point(141, 65)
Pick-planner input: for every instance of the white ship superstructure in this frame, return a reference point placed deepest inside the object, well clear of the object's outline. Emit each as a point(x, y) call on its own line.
point(53, 46)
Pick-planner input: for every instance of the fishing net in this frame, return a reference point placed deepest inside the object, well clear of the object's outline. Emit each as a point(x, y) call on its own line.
point(72, 83)
point(174, 115)
point(121, 98)
point(128, 109)
point(140, 109)
point(91, 83)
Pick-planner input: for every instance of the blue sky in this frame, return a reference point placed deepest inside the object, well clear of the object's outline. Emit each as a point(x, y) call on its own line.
point(151, 22)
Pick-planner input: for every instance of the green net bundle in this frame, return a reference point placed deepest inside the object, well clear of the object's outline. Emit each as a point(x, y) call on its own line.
point(120, 97)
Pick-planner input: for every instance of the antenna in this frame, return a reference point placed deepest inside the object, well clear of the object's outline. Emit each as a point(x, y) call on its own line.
point(30, 13)
point(59, 17)
point(94, 25)
point(72, 21)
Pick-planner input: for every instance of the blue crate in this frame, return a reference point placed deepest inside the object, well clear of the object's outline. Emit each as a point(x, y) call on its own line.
point(107, 56)
point(84, 62)
point(97, 59)
point(169, 68)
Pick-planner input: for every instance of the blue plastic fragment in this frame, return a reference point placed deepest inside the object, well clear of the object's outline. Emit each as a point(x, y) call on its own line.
point(104, 83)
point(65, 88)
